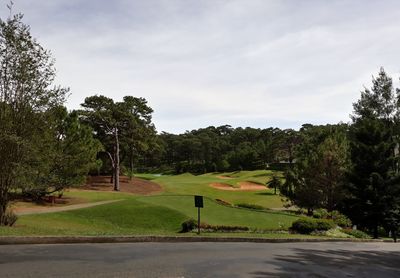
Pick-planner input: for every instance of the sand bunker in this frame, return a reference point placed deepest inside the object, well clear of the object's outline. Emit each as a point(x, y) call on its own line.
point(248, 185)
point(224, 177)
point(222, 186)
point(243, 186)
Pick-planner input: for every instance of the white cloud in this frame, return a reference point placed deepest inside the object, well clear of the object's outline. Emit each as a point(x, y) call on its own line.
point(199, 63)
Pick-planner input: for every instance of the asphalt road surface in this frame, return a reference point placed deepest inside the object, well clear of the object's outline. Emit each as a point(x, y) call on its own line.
point(201, 260)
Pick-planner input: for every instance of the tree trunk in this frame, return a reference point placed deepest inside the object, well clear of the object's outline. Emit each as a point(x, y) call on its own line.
point(131, 165)
point(376, 231)
point(116, 162)
point(3, 206)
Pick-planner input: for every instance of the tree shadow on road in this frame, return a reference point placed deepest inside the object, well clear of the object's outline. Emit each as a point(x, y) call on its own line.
point(333, 263)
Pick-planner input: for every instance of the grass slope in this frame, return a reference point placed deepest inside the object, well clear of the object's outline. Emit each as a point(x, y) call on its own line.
point(187, 184)
point(161, 214)
point(217, 214)
point(152, 215)
point(128, 217)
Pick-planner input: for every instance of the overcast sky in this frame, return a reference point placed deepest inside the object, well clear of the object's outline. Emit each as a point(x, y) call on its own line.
point(201, 63)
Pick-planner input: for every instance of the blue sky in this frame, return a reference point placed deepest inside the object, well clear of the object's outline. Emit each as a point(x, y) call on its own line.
point(252, 63)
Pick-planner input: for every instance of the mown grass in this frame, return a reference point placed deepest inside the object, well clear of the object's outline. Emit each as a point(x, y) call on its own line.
point(188, 184)
point(217, 214)
point(152, 215)
point(127, 217)
point(161, 214)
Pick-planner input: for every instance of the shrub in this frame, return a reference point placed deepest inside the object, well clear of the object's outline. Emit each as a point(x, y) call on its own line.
point(9, 218)
point(307, 226)
point(324, 225)
point(303, 226)
point(191, 224)
point(250, 206)
point(356, 233)
point(223, 228)
point(188, 226)
point(336, 232)
point(340, 219)
point(320, 213)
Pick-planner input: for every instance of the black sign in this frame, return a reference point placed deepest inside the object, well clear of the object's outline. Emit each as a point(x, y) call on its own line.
point(198, 201)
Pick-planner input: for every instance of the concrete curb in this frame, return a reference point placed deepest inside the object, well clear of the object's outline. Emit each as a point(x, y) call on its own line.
point(8, 240)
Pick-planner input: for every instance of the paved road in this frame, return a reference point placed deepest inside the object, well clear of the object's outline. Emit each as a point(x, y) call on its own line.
point(202, 260)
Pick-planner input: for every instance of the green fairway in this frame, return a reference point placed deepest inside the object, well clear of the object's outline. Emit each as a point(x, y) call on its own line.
point(217, 214)
point(127, 217)
point(161, 214)
point(188, 184)
point(153, 215)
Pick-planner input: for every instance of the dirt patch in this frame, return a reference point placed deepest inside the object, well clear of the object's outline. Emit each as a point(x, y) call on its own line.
point(243, 186)
point(224, 177)
point(135, 185)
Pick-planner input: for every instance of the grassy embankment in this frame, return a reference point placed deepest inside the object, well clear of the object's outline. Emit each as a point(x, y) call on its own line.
point(187, 184)
point(162, 214)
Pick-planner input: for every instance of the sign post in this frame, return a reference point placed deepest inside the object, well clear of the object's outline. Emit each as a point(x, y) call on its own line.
point(198, 203)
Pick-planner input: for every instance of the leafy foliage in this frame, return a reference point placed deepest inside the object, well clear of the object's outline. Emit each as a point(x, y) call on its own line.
point(308, 225)
point(275, 182)
point(26, 94)
point(9, 218)
point(373, 191)
point(356, 233)
point(122, 125)
point(191, 224)
point(188, 226)
point(223, 148)
point(317, 178)
point(69, 154)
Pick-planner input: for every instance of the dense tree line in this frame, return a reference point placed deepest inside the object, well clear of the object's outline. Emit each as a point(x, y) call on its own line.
point(353, 168)
point(222, 148)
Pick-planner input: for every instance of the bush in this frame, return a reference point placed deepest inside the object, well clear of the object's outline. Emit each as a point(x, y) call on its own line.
point(320, 213)
point(324, 225)
point(9, 218)
point(307, 226)
point(191, 224)
point(340, 219)
point(356, 233)
point(303, 226)
point(222, 228)
point(188, 226)
point(250, 206)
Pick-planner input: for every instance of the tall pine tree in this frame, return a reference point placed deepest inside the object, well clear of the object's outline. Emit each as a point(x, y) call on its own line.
point(373, 178)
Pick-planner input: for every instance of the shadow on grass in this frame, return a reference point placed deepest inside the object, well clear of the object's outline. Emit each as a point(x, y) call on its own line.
point(333, 263)
point(267, 193)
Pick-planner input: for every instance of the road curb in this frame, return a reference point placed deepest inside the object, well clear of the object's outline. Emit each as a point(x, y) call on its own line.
point(132, 239)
